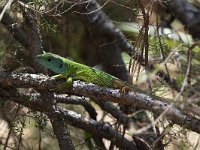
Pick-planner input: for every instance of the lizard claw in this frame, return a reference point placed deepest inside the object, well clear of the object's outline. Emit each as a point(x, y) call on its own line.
point(125, 90)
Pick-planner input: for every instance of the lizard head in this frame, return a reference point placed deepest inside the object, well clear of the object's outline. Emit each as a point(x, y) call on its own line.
point(53, 62)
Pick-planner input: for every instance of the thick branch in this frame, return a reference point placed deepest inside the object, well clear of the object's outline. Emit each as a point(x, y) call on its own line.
point(15, 30)
point(66, 99)
point(110, 108)
point(34, 37)
point(57, 121)
point(136, 98)
point(140, 100)
point(77, 101)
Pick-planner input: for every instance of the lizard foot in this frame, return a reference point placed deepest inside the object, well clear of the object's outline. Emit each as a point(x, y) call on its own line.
point(125, 89)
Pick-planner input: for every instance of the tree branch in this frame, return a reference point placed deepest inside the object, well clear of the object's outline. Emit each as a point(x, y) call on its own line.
point(75, 100)
point(113, 110)
point(57, 121)
point(15, 30)
point(34, 36)
point(136, 98)
point(103, 130)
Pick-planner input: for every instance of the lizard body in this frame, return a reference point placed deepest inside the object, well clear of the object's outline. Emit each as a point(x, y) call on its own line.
point(75, 71)
point(71, 70)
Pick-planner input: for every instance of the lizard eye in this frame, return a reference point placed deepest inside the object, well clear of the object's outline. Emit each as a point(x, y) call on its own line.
point(61, 65)
point(49, 59)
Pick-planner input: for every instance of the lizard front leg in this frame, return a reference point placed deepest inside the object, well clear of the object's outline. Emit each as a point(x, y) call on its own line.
point(66, 85)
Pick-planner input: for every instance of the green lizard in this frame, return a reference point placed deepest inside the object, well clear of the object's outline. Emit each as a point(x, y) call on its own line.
point(71, 70)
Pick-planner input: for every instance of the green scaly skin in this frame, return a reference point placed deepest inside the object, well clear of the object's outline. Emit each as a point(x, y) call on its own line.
point(74, 71)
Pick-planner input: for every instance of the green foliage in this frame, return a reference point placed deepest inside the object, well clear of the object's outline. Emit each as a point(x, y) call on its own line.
point(157, 44)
